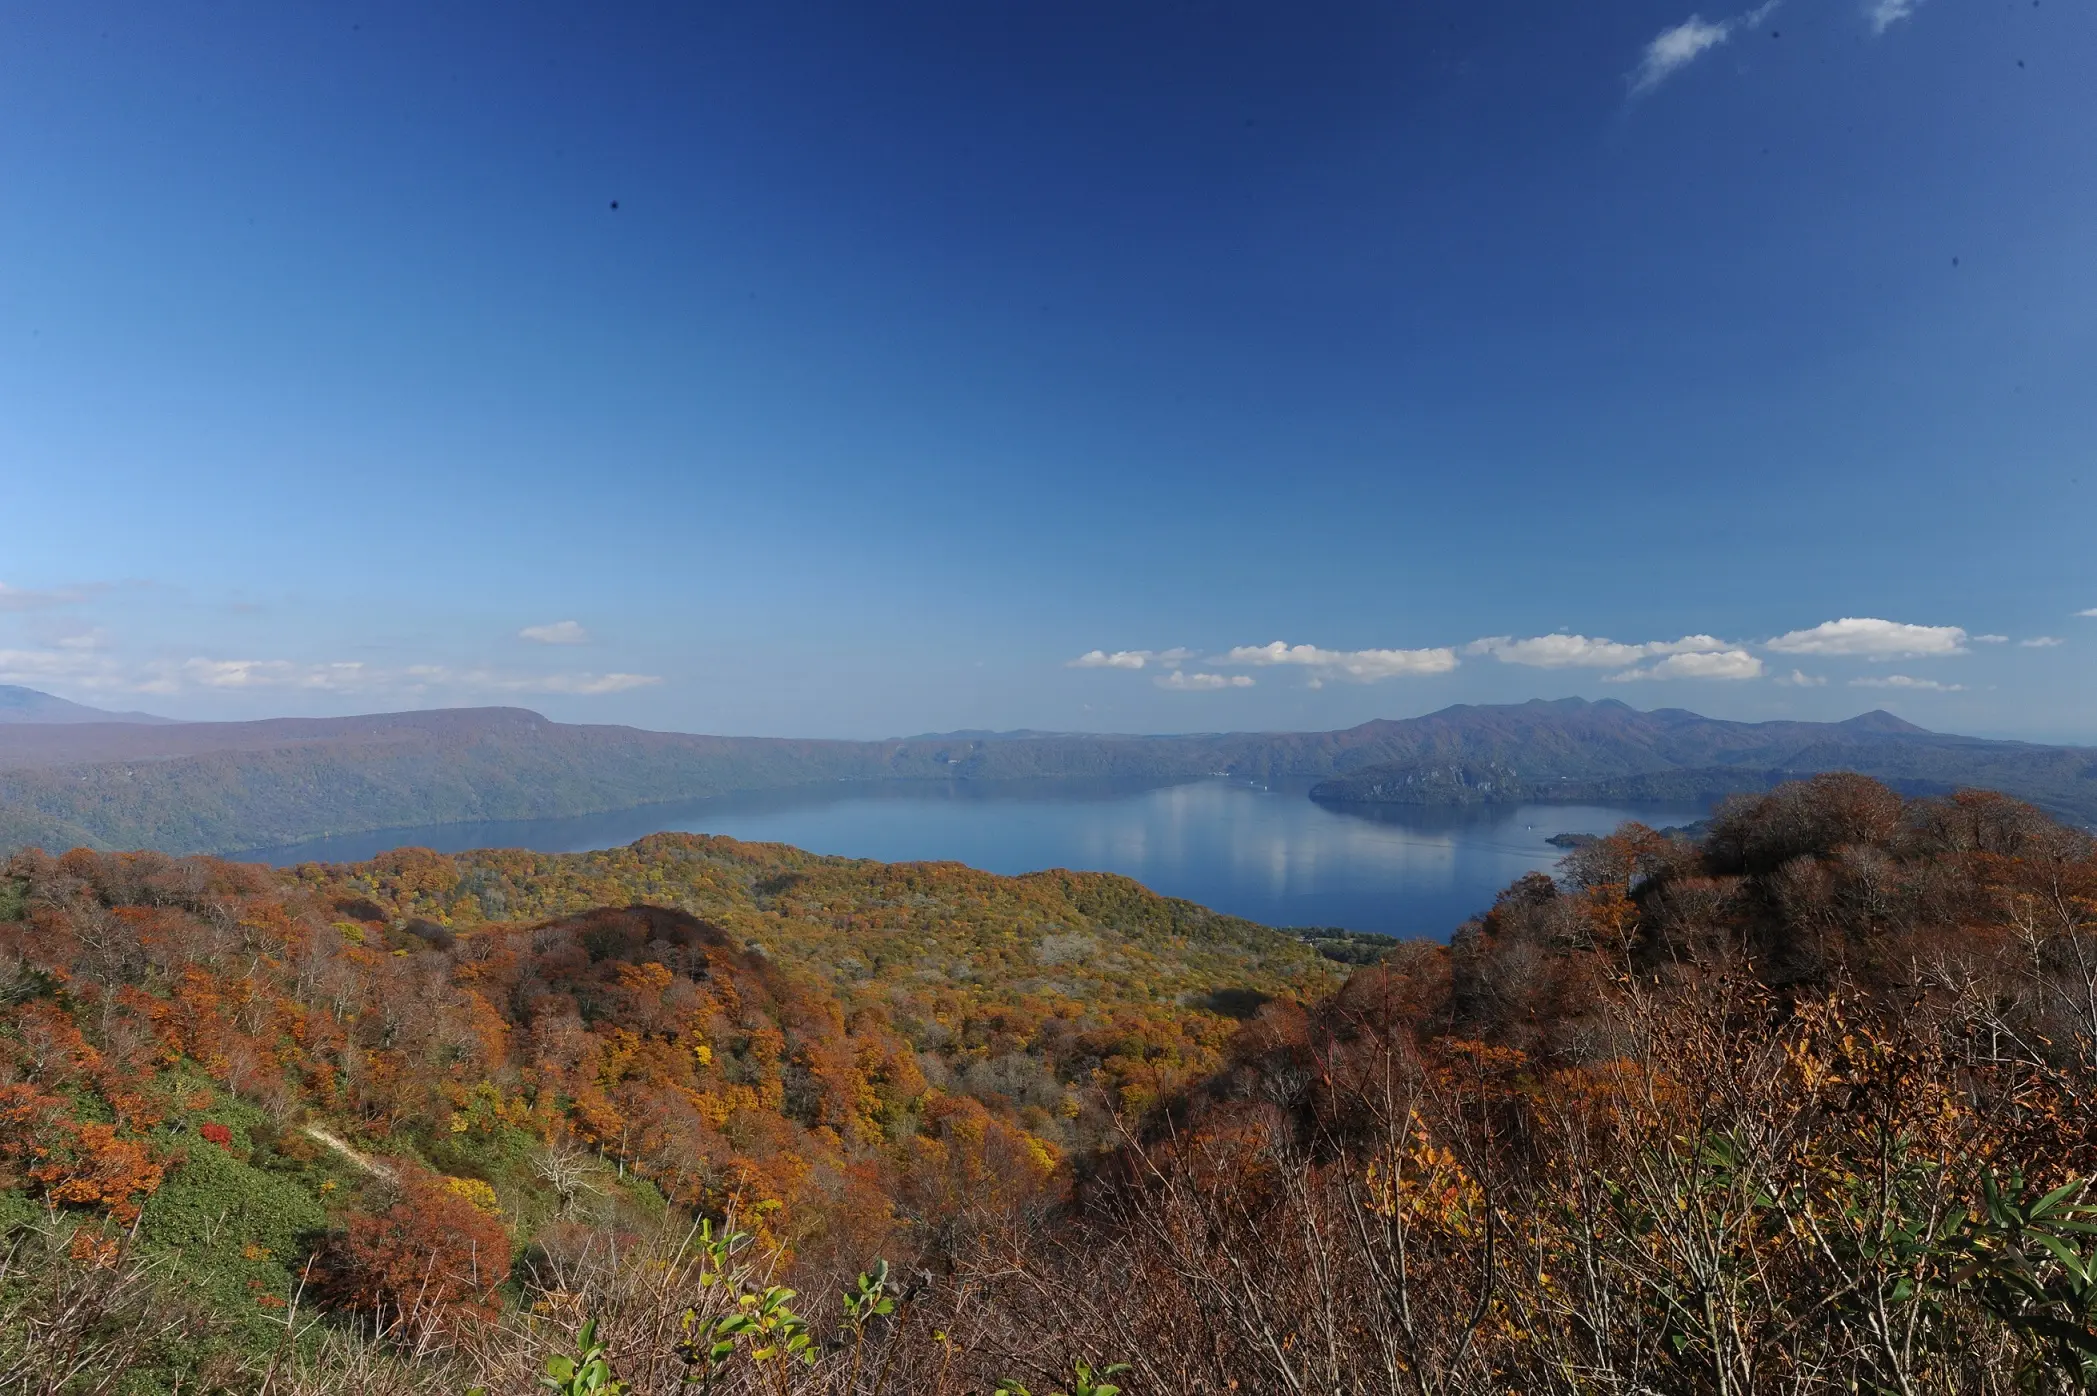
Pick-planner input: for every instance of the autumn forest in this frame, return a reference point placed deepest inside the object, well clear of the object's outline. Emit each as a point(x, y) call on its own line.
point(1797, 1107)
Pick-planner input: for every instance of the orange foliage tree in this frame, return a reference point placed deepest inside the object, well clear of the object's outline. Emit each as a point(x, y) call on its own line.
point(429, 1260)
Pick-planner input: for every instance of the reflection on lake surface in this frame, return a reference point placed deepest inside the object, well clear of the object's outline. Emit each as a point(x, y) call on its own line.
point(1268, 854)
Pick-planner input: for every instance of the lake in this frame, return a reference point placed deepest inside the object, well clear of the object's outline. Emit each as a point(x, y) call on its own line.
point(1269, 854)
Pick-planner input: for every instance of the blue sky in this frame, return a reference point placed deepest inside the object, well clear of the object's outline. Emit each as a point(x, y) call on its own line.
point(1303, 364)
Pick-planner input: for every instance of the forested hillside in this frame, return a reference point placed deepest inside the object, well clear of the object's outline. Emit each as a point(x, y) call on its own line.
point(1801, 1106)
point(228, 787)
point(367, 1082)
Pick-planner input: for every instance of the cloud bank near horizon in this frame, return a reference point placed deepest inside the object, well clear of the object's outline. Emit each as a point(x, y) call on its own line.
point(1701, 657)
point(89, 670)
point(1362, 666)
point(68, 651)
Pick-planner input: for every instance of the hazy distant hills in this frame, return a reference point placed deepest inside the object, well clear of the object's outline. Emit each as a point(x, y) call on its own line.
point(19, 704)
point(1573, 750)
point(238, 785)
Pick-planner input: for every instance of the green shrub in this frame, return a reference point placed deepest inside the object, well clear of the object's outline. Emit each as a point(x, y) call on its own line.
point(16, 1211)
point(241, 1234)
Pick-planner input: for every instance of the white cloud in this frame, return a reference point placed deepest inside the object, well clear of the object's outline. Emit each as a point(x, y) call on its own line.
point(1914, 685)
point(1884, 14)
point(1719, 664)
point(1867, 638)
point(586, 684)
point(1365, 666)
point(79, 668)
point(1676, 48)
point(560, 632)
point(1991, 639)
point(1581, 652)
point(1130, 659)
point(423, 677)
point(1557, 651)
point(1201, 683)
point(1671, 50)
point(2040, 642)
point(1120, 659)
point(272, 673)
point(2091, 613)
point(1800, 679)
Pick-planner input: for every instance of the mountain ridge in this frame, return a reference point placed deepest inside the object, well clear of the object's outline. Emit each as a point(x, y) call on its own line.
point(229, 787)
point(1611, 751)
point(34, 706)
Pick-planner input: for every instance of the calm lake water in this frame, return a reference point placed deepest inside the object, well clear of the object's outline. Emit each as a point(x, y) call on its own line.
point(1268, 854)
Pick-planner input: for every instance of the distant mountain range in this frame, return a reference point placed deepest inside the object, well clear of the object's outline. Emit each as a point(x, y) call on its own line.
point(1574, 750)
point(231, 786)
point(19, 704)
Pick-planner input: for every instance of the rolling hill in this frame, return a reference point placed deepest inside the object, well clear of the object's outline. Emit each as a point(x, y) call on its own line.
point(852, 1052)
point(227, 787)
